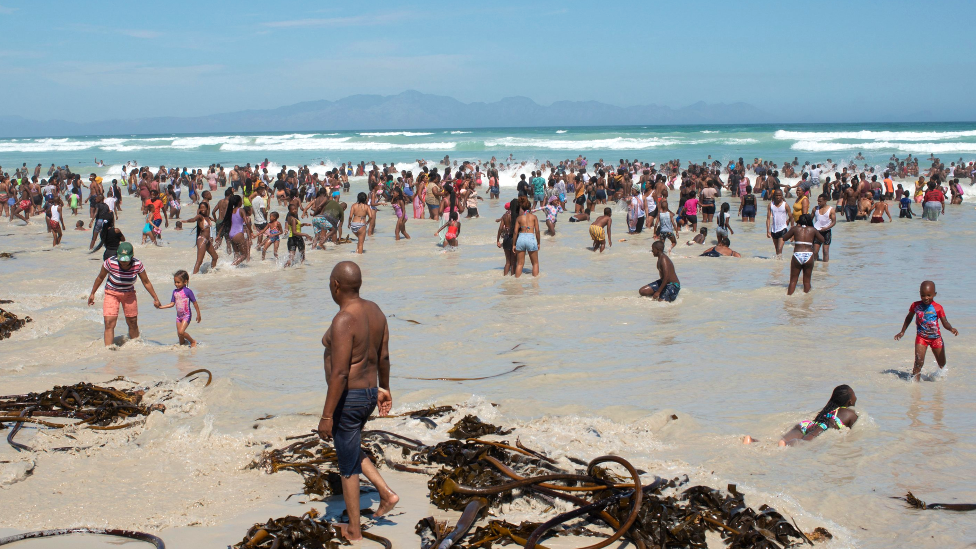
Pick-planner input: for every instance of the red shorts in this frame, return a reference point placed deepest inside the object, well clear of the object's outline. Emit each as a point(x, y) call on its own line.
point(53, 224)
point(110, 307)
point(934, 342)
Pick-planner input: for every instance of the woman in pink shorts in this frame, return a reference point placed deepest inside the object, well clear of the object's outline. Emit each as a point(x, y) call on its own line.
point(122, 271)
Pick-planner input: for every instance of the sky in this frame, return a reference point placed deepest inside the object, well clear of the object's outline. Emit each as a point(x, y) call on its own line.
point(799, 61)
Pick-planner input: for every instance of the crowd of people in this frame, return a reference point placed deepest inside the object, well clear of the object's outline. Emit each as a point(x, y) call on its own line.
point(661, 200)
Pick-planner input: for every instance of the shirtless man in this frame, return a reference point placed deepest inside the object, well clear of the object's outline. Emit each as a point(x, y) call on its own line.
point(667, 287)
point(357, 368)
point(879, 210)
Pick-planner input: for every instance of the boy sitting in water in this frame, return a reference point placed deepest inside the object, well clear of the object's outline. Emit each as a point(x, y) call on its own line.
point(700, 237)
point(80, 226)
point(927, 314)
point(667, 287)
point(600, 231)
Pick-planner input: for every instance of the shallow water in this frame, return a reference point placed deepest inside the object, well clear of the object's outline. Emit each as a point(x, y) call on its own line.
point(604, 368)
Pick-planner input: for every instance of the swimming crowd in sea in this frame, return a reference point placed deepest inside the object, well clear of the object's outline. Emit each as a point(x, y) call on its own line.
point(662, 200)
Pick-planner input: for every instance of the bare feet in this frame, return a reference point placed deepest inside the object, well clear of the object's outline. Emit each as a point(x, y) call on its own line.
point(346, 531)
point(748, 440)
point(782, 443)
point(387, 503)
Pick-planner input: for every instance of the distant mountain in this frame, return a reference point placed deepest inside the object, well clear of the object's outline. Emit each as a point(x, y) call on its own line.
point(407, 110)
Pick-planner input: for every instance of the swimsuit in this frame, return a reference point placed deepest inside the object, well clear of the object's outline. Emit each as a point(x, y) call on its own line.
point(597, 233)
point(669, 293)
point(711, 253)
point(802, 257)
point(831, 421)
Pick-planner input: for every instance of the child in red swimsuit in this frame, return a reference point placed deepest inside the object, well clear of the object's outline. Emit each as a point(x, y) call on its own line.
point(927, 314)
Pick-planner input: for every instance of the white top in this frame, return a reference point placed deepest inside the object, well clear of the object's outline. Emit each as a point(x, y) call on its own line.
point(779, 217)
point(257, 208)
point(110, 202)
point(821, 221)
point(55, 213)
point(651, 203)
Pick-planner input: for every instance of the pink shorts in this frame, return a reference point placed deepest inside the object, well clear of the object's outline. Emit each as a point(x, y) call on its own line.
point(110, 307)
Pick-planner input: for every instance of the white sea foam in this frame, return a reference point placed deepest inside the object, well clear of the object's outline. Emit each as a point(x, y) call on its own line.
point(916, 148)
point(386, 134)
point(709, 131)
point(615, 143)
point(456, 132)
point(869, 135)
point(560, 131)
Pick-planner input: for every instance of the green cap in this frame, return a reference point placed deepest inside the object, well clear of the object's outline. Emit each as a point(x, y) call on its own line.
point(125, 252)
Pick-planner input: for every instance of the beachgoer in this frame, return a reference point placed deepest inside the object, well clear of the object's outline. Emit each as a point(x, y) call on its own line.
point(526, 227)
point(667, 287)
point(824, 219)
point(600, 231)
point(778, 221)
point(804, 236)
point(122, 271)
point(927, 314)
point(359, 215)
point(720, 249)
point(664, 224)
point(357, 369)
point(837, 414)
point(181, 299)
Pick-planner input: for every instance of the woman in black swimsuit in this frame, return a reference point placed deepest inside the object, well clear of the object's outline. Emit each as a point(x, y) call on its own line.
point(720, 249)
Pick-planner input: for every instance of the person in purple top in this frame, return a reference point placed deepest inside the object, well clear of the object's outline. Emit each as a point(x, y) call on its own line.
point(182, 297)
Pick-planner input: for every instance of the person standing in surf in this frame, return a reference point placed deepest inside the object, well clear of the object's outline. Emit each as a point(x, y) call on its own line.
point(927, 314)
point(778, 221)
point(357, 370)
point(120, 290)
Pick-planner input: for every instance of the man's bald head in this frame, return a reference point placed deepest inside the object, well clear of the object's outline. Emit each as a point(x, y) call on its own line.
point(348, 276)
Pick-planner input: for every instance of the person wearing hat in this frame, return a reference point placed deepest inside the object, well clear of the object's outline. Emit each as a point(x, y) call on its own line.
point(120, 290)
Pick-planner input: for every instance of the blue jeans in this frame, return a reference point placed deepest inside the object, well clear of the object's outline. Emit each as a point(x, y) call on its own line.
point(348, 420)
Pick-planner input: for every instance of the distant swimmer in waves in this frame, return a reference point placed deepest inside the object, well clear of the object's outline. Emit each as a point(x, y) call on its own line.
point(837, 414)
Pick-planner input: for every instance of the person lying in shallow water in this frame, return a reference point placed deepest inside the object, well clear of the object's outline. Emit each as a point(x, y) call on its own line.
point(835, 415)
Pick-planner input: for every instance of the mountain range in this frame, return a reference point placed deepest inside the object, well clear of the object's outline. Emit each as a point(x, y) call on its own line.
point(404, 111)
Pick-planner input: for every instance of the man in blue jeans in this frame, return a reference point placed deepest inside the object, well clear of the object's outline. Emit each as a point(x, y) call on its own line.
point(357, 369)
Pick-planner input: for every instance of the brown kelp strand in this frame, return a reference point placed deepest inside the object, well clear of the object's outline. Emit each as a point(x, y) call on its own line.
point(306, 531)
point(129, 534)
point(916, 503)
point(10, 323)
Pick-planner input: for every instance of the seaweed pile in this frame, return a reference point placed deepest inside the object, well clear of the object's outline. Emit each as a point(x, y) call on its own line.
point(304, 532)
point(10, 323)
point(93, 406)
point(608, 497)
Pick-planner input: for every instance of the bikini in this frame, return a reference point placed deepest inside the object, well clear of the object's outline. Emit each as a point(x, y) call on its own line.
point(832, 421)
point(802, 257)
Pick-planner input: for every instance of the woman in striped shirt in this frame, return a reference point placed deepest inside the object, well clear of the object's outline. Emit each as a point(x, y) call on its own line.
point(122, 271)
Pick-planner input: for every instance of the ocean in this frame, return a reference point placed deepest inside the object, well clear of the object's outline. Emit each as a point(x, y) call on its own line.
point(839, 142)
point(605, 371)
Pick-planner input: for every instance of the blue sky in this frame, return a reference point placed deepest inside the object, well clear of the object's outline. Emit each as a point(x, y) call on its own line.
point(801, 61)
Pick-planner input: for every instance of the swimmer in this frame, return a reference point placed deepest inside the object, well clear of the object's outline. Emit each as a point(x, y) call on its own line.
point(699, 238)
point(880, 210)
point(720, 249)
point(927, 314)
point(600, 231)
point(804, 237)
point(667, 287)
point(837, 414)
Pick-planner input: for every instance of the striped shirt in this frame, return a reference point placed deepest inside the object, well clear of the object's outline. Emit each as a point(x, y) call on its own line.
point(120, 280)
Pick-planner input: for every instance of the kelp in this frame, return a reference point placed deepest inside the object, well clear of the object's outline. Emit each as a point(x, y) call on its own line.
point(477, 477)
point(916, 503)
point(96, 407)
point(10, 323)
